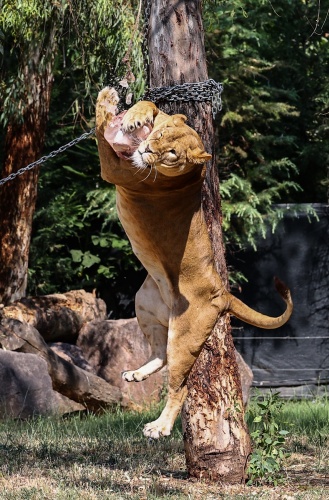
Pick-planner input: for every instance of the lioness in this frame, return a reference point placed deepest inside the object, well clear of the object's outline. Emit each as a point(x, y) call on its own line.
point(157, 163)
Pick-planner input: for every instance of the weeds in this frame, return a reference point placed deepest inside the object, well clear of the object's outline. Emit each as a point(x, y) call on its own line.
point(268, 439)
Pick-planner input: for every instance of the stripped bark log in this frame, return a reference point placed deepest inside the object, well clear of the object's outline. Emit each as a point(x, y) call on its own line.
point(57, 316)
point(73, 382)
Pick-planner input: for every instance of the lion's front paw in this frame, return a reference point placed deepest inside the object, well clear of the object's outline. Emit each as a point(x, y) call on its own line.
point(133, 376)
point(157, 429)
point(141, 114)
point(106, 105)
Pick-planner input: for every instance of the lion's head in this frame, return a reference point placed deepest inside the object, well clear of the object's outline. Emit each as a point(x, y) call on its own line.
point(172, 148)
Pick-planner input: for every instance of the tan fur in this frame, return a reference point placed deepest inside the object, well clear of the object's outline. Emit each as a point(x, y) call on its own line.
point(159, 205)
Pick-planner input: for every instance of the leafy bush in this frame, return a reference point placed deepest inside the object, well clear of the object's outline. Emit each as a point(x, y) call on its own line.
point(269, 453)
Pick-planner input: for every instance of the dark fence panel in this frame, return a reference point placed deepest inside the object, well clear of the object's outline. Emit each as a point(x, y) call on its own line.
point(294, 358)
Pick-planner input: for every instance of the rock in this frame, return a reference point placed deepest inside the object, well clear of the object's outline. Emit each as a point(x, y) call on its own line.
point(66, 405)
point(73, 382)
point(26, 388)
point(72, 354)
point(246, 376)
point(58, 316)
point(114, 346)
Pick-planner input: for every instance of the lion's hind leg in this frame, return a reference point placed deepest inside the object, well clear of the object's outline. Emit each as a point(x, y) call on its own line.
point(152, 315)
point(186, 337)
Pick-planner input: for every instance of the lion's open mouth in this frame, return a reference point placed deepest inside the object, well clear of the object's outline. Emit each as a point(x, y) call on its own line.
point(125, 143)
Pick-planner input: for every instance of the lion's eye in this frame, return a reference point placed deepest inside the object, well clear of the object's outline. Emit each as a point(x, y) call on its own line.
point(172, 152)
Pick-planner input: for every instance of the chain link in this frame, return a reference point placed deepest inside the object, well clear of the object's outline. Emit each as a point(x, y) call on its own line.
point(145, 36)
point(207, 91)
point(47, 157)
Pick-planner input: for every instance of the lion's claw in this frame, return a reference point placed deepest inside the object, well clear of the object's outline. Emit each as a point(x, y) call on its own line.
point(143, 113)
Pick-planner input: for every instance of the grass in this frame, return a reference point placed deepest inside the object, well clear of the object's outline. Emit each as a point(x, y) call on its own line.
point(106, 457)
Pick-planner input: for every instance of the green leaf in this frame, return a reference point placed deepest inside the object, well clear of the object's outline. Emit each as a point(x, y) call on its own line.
point(76, 255)
point(89, 260)
point(74, 171)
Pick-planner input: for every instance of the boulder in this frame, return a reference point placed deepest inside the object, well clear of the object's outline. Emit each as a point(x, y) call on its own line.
point(26, 388)
point(58, 316)
point(69, 380)
point(72, 354)
point(114, 346)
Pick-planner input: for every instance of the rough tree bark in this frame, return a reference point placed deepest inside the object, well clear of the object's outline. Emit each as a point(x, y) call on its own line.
point(216, 440)
point(23, 144)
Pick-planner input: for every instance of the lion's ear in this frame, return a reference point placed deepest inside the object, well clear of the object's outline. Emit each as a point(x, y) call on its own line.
point(179, 120)
point(198, 156)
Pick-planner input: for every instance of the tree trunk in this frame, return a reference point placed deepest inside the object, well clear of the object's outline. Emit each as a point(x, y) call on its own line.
point(23, 145)
point(216, 440)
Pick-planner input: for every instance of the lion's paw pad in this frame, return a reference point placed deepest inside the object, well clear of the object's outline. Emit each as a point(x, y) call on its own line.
point(135, 120)
point(132, 376)
point(155, 430)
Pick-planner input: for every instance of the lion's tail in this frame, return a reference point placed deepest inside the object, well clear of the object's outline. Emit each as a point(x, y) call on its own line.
point(245, 313)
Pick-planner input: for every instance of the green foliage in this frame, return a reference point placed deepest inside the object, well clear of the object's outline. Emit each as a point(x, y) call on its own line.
point(270, 125)
point(88, 39)
point(104, 48)
point(30, 32)
point(77, 240)
point(269, 453)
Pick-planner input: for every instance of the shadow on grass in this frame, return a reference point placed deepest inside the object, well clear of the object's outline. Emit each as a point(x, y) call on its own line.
point(107, 452)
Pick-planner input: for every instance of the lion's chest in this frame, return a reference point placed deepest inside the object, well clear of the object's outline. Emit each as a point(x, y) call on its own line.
point(159, 229)
point(170, 238)
point(147, 230)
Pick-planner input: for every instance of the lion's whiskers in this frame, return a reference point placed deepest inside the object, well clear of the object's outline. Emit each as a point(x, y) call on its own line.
point(148, 175)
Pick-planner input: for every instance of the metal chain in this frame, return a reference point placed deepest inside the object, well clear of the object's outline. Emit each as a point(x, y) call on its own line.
point(207, 91)
point(145, 36)
point(45, 158)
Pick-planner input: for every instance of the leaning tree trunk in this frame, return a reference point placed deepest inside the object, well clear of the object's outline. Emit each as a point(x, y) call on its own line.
point(23, 145)
point(215, 436)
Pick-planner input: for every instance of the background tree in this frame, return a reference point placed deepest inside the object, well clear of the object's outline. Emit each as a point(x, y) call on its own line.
point(34, 28)
point(274, 125)
point(93, 38)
